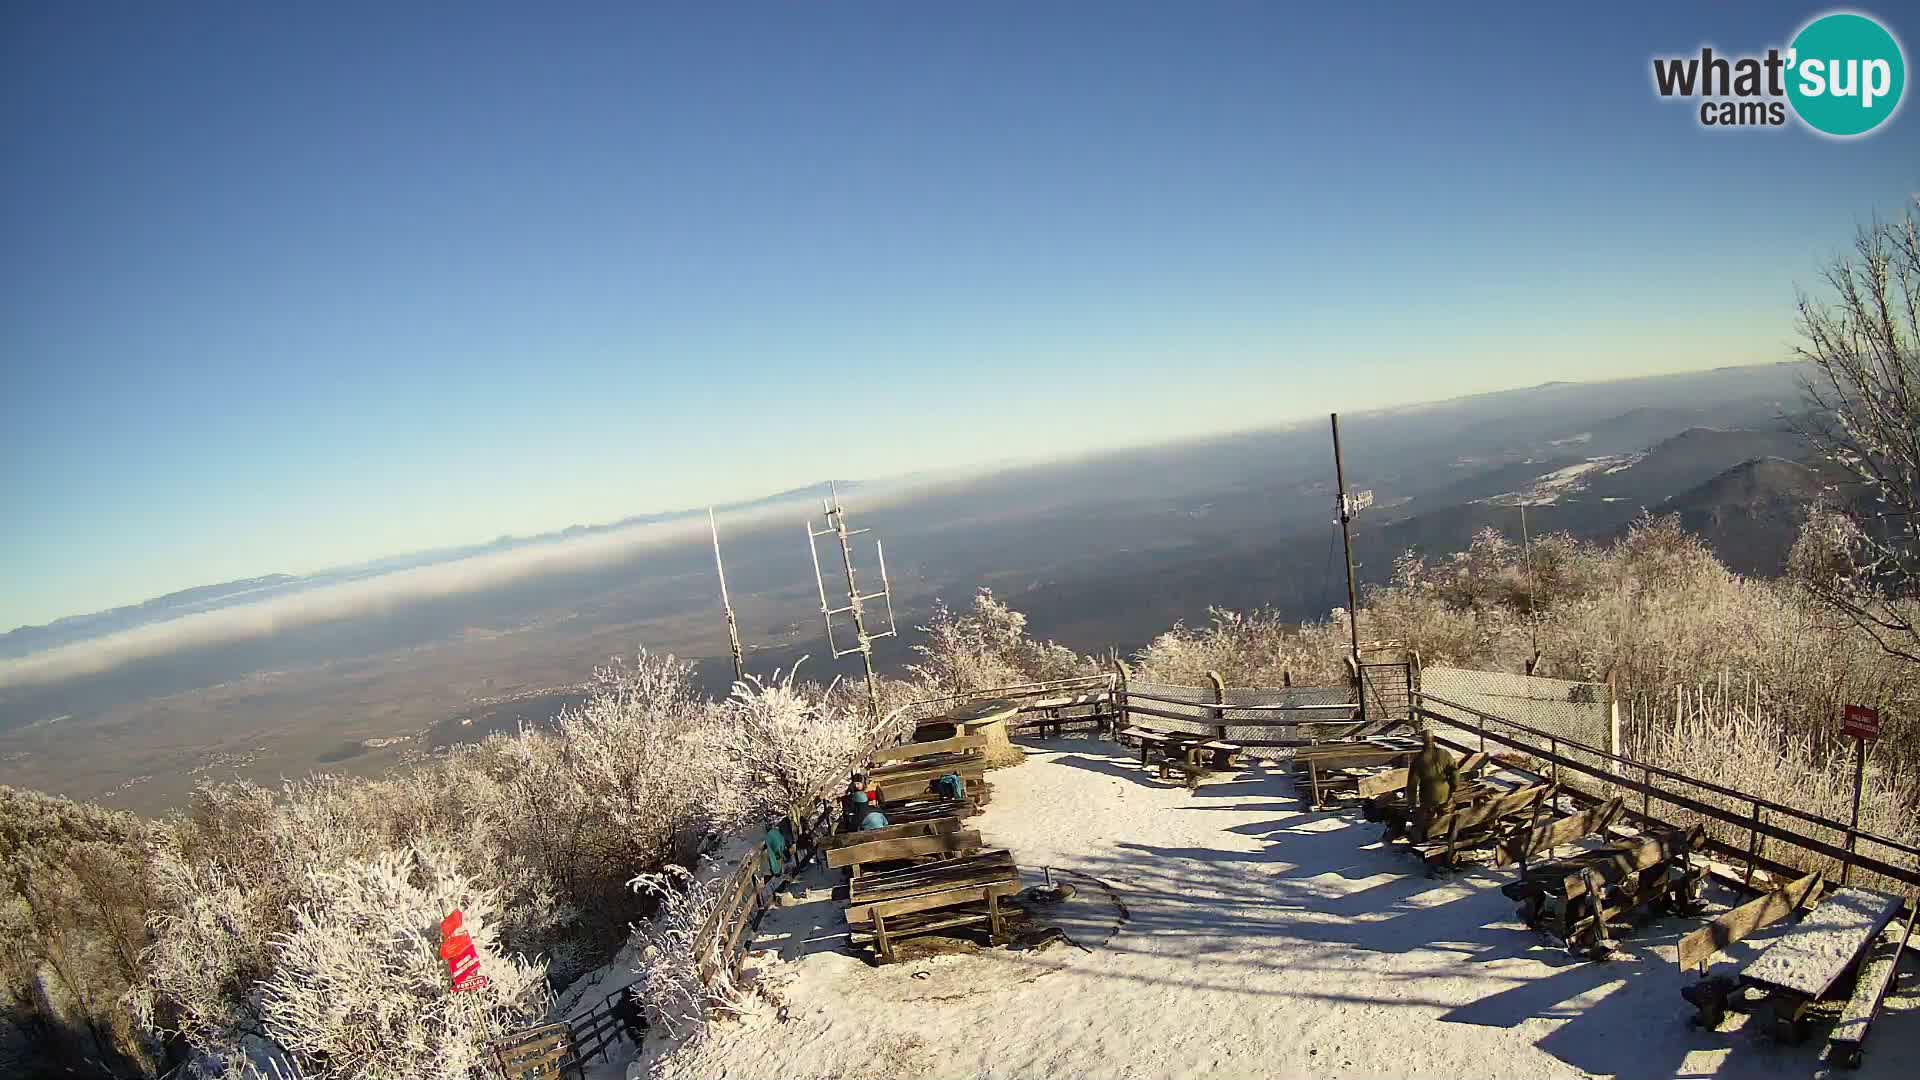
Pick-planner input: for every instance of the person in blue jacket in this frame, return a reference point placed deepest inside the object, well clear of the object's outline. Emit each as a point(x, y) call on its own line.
point(866, 815)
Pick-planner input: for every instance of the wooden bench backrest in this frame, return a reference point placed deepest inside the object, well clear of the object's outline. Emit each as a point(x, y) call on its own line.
point(910, 751)
point(1749, 918)
point(541, 1052)
point(904, 847)
point(894, 832)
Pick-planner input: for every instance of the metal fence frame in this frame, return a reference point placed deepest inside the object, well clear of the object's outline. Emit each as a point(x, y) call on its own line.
point(1763, 820)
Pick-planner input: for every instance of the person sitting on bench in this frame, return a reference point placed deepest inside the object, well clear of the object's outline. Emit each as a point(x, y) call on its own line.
point(1432, 776)
point(866, 815)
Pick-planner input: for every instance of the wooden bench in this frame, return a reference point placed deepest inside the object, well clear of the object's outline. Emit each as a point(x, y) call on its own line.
point(930, 809)
point(1150, 740)
point(1576, 898)
point(1794, 971)
point(931, 913)
point(1045, 715)
point(1848, 1039)
point(1479, 825)
point(1195, 761)
point(932, 845)
point(946, 823)
point(920, 788)
point(537, 1053)
point(930, 897)
point(907, 752)
point(1325, 765)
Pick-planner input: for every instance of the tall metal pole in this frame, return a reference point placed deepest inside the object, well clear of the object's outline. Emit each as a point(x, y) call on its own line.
point(1346, 541)
point(733, 627)
point(1853, 826)
point(864, 643)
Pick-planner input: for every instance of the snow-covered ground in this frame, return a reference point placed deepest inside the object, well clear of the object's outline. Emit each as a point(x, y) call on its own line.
point(1259, 940)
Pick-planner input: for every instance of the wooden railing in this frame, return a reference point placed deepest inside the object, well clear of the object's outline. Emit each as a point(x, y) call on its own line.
point(1760, 818)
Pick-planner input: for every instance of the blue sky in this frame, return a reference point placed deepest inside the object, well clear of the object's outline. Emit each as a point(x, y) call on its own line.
point(285, 290)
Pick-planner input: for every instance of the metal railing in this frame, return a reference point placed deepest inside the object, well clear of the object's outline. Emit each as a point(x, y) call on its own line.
point(1760, 818)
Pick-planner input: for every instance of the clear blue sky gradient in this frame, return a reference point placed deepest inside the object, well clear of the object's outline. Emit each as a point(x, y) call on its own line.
point(288, 289)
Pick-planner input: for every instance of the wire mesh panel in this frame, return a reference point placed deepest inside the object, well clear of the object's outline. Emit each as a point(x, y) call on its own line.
point(1389, 690)
point(1578, 711)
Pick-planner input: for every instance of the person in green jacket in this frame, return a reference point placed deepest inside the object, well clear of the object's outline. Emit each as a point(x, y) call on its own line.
point(1432, 776)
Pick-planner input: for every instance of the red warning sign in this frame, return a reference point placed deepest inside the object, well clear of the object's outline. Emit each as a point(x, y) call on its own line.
point(456, 948)
point(1861, 722)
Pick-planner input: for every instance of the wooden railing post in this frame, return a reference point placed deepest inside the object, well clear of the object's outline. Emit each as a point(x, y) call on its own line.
point(1753, 843)
point(1121, 677)
point(1219, 703)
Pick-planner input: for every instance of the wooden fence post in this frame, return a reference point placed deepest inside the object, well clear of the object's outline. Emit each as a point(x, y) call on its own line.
point(1121, 678)
point(1219, 702)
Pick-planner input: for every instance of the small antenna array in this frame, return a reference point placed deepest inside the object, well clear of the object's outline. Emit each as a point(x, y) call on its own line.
point(855, 607)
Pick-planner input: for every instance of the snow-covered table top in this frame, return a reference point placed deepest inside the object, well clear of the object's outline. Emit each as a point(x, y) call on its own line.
point(1812, 957)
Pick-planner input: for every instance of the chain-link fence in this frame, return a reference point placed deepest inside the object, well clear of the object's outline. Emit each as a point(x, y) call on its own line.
point(1581, 712)
point(1266, 714)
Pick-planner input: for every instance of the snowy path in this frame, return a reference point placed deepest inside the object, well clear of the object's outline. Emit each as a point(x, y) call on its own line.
point(1262, 942)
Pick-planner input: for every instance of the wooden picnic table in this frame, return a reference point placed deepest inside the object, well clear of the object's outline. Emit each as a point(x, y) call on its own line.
point(1805, 964)
point(1323, 763)
point(930, 897)
point(1575, 898)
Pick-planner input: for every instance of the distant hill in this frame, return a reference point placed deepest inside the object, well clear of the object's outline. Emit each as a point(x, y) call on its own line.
point(1751, 514)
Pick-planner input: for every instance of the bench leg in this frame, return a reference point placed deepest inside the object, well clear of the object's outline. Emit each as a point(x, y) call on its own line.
point(880, 943)
point(993, 918)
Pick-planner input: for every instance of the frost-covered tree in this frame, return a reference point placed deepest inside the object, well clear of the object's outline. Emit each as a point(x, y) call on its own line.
point(1862, 337)
point(359, 990)
point(987, 647)
point(791, 750)
point(683, 980)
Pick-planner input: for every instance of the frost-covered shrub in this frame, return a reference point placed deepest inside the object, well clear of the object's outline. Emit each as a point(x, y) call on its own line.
point(683, 979)
point(791, 751)
point(359, 989)
point(987, 647)
point(1258, 648)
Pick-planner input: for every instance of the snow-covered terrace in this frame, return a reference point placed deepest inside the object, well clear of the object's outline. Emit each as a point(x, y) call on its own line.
point(1258, 940)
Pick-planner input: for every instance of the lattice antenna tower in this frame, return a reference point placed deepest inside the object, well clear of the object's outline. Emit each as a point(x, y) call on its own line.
point(733, 626)
point(855, 607)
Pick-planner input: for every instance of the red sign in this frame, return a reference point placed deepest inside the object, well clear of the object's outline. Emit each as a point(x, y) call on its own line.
point(456, 948)
point(1861, 722)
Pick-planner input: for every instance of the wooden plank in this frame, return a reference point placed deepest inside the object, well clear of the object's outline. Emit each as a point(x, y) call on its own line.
point(1617, 862)
point(910, 751)
point(1850, 1033)
point(1500, 806)
point(1383, 783)
point(903, 847)
point(933, 901)
point(1811, 957)
point(870, 884)
point(931, 926)
point(1749, 918)
point(1544, 838)
point(1356, 757)
point(863, 912)
point(912, 790)
point(928, 768)
point(926, 827)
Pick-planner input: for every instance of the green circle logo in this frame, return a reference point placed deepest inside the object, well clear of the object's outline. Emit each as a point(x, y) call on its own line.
point(1845, 74)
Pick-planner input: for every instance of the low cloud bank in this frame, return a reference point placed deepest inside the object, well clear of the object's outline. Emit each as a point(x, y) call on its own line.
point(387, 592)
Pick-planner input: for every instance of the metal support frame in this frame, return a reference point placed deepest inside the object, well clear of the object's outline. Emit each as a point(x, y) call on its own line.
point(855, 607)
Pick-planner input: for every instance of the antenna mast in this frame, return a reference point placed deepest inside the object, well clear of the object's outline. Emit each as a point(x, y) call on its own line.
point(855, 609)
point(1348, 508)
point(733, 627)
